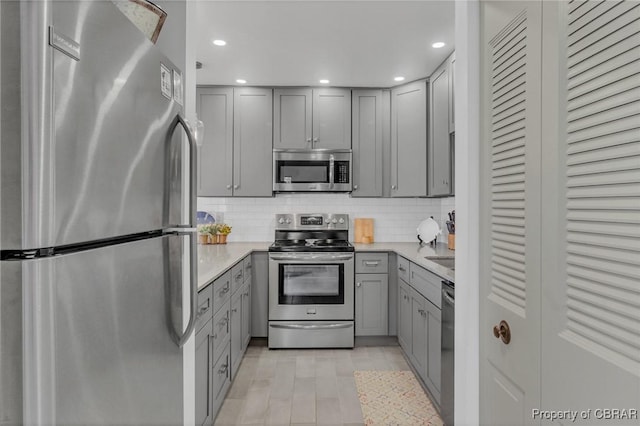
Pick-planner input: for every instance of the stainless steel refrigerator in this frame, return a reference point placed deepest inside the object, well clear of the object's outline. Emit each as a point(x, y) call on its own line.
point(93, 235)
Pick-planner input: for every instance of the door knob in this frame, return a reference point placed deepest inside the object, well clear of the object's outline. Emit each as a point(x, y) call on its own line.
point(502, 331)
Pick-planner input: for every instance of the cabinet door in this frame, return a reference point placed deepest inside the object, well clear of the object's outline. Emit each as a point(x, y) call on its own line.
point(418, 333)
point(409, 140)
point(246, 314)
point(204, 360)
point(404, 316)
point(366, 110)
point(215, 156)
point(372, 304)
point(332, 118)
point(260, 295)
point(439, 158)
point(292, 118)
point(434, 346)
point(452, 103)
point(253, 143)
point(236, 332)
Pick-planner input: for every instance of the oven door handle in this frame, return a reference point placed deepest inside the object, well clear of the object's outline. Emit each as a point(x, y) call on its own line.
point(300, 256)
point(312, 326)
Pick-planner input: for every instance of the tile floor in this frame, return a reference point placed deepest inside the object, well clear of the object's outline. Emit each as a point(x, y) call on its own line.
point(302, 387)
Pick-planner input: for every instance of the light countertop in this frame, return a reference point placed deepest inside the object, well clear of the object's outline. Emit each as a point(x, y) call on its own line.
point(215, 259)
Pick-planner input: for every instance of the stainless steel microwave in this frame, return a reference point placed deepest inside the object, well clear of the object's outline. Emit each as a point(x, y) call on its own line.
point(315, 170)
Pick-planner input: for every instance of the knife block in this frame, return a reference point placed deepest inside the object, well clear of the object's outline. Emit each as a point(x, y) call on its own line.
point(363, 231)
point(452, 242)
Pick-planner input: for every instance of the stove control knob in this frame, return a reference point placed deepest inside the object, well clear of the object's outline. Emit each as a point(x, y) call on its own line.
point(334, 220)
point(341, 220)
point(281, 220)
point(288, 221)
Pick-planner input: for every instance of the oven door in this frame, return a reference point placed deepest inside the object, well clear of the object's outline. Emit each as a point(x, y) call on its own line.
point(311, 286)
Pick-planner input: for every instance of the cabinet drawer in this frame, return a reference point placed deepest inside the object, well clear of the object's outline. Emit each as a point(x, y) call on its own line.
point(204, 310)
point(221, 291)
point(372, 263)
point(220, 332)
point(425, 283)
point(221, 379)
point(248, 268)
point(403, 269)
point(237, 277)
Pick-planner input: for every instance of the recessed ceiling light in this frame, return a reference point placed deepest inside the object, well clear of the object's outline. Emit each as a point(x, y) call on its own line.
point(399, 78)
point(219, 42)
point(437, 45)
point(241, 81)
point(324, 81)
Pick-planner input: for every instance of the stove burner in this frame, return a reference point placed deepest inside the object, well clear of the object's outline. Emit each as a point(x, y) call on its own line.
point(310, 240)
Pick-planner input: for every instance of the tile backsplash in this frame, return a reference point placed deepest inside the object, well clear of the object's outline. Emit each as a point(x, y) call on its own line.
point(395, 219)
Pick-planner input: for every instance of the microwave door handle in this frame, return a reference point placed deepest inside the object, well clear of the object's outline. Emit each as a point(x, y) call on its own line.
point(331, 171)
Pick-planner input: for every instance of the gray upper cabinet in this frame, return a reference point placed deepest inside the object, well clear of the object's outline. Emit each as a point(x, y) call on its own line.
point(253, 143)
point(452, 73)
point(439, 148)
point(332, 118)
point(215, 159)
point(292, 118)
point(367, 131)
point(312, 118)
point(409, 140)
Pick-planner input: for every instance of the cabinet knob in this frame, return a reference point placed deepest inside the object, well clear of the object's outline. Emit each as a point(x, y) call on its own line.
point(236, 186)
point(393, 187)
point(502, 331)
point(228, 186)
point(308, 139)
point(358, 284)
point(315, 139)
point(355, 187)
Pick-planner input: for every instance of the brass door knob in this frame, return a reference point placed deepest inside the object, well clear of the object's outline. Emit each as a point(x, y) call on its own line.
point(502, 331)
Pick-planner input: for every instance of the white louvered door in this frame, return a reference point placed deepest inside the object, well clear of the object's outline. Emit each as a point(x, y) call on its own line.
point(591, 211)
point(510, 210)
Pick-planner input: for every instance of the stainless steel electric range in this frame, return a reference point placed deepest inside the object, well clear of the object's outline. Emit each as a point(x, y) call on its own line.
point(311, 282)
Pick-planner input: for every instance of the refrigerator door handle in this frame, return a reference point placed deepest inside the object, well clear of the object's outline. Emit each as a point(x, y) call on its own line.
point(193, 260)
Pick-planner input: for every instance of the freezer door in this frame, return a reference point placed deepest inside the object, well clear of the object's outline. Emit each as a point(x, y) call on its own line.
point(112, 319)
point(112, 172)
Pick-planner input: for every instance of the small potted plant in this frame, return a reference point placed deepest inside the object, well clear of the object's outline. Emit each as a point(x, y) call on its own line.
point(207, 233)
point(223, 231)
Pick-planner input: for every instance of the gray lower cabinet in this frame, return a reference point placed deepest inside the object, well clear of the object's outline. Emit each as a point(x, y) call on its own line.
point(372, 305)
point(419, 324)
point(224, 308)
point(404, 316)
point(409, 140)
point(366, 130)
point(236, 332)
point(260, 294)
point(214, 106)
point(204, 369)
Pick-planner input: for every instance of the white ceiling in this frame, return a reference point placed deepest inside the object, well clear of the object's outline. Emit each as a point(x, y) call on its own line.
point(297, 43)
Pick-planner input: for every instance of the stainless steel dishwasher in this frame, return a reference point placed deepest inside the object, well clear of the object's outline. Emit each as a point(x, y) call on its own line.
point(447, 351)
